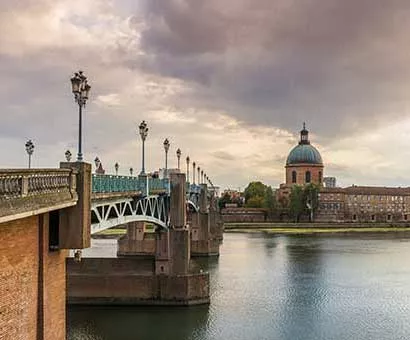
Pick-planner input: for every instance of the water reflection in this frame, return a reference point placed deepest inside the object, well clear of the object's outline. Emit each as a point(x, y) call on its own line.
point(319, 287)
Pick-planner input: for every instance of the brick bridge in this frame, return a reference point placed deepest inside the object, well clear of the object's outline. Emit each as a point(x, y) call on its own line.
point(46, 212)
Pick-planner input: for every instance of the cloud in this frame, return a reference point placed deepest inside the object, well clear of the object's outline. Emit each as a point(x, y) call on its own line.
point(228, 82)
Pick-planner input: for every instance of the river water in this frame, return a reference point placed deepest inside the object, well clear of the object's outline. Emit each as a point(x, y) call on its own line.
point(342, 287)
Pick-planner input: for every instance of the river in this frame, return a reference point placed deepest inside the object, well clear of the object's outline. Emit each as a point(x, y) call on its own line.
point(342, 287)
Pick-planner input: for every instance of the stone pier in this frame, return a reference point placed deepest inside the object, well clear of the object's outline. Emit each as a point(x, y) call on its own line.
point(205, 229)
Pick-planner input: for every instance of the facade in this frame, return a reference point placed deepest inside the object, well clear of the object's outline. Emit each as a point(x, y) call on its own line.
point(363, 204)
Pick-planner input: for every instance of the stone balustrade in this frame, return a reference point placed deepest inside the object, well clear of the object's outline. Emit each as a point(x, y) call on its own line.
point(16, 183)
point(24, 192)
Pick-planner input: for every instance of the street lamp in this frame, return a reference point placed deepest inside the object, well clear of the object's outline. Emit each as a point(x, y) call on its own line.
point(199, 172)
point(193, 172)
point(202, 176)
point(29, 150)
point(131, 171)
point(178, 157)
point(166, 148)
point(187, 168)
point(81, 90)
point(97, 162)
point(68, 155)
point(143, 130)
point(116, 167)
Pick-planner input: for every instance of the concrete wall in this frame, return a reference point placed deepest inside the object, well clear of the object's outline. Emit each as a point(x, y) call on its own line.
point(238, 215)
point(131, 281)
point(32, 282)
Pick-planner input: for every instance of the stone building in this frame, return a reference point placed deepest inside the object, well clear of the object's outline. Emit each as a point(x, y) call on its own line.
point(304, 166)
point(363, 204)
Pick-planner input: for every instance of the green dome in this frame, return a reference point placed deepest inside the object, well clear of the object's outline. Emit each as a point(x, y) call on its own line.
point(305, 154)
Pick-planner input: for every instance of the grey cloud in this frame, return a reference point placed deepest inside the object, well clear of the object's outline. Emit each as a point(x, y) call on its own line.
point(223, 155)
point(340, 65)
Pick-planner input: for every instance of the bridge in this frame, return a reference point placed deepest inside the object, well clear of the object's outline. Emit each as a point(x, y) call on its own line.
point(44, 212)
point(118, 200)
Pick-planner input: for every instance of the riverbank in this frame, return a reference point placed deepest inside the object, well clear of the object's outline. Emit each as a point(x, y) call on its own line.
point(312, 228)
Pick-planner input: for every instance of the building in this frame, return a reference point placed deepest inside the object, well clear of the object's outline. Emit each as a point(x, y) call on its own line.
point(329, 182)
point(363, 204)
point(304, 166)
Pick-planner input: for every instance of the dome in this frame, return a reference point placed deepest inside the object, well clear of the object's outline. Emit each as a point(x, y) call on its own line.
point(304, 154)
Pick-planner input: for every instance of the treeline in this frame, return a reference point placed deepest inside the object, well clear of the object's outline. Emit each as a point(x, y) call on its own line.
point(300, 204)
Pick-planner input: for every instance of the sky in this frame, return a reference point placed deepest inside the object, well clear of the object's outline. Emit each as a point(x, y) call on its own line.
point(228, 82)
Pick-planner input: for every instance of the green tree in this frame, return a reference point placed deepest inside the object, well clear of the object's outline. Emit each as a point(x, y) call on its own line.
point(255, 202)
point(254, 194)
point(269, 201)
point(311, 199)
point(296, 202)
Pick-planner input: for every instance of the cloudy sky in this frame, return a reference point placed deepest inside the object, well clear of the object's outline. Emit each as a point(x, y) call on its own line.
point(229, 82)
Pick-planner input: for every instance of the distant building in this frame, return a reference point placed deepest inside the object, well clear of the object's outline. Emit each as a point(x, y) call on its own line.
point(304, 165)
point(364, 204)
point(329, 182)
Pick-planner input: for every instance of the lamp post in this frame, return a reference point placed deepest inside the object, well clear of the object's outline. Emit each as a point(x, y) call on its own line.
point(187, 168)
point(80, 90)
point(97, 163)
point(166, 148)
point(29, 150)
point(178, 157)
point(143, 130)
point(131, 171)
point(193, 172)
point(199, 173)
point(68, 155)
point(116, 167)
point(202, 176)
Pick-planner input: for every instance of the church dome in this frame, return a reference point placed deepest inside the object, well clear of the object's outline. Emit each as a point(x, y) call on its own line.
point(304, 153)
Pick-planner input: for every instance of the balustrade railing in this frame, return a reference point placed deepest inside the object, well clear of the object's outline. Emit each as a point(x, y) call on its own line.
point(16, 183)
point(112, 184)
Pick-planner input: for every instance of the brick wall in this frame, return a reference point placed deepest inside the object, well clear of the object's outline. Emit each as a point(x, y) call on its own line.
point(18, 279)
point(32, 282)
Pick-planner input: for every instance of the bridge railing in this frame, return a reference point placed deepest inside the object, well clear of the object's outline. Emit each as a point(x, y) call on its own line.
point(17, 183)
point(112, 184)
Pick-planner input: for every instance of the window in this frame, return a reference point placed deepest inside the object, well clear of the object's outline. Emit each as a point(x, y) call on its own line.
point(293, 176)
point(307, 177)
point(388, 217)
point(373, 217)
point(320, 177)
point(405, 217)
point(354, 217)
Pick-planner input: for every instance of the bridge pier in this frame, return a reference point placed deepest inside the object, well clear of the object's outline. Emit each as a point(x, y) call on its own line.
point(136, 242)
point(205, 239)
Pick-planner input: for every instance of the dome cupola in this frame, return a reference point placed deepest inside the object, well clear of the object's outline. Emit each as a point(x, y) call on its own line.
point(304, 152)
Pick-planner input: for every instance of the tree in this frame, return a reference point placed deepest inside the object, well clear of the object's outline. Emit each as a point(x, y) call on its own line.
point(269, 201)
point(255, 202)
point(254, 194)
point(311, 199)
point(296, 202)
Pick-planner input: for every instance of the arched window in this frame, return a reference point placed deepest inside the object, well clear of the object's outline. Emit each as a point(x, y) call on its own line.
point(293, 176)
point(307, 177)
point(320, 177)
